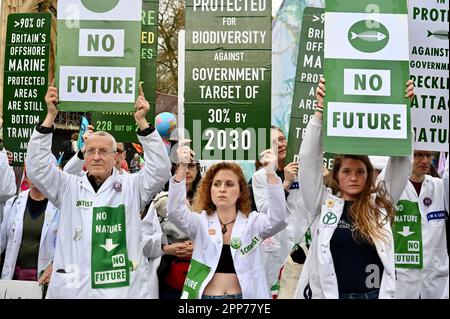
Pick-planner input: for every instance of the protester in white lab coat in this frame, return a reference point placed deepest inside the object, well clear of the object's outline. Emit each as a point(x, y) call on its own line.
point(227, 260)
point(422, 269)
point(28, 236)
point(99, 246)
point(352, 250)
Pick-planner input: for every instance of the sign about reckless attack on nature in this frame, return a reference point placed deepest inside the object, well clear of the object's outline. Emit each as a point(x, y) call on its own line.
point(27, 52)
point(98, 54)
point(428, 66)
point(122, 125)
point(366, 69)
point(228, 78)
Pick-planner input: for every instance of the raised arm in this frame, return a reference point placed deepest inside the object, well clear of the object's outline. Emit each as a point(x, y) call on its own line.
point(312, 189)
point(156, 172)
point(275, 219)
point(177, 211)
point(41, 164)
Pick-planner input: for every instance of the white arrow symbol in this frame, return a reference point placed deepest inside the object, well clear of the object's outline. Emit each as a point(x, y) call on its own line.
point(405, 232)
point(109, 245)
point(315, 18)
point(16, 23)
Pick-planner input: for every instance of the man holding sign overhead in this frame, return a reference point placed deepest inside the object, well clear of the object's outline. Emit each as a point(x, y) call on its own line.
point(98, 251)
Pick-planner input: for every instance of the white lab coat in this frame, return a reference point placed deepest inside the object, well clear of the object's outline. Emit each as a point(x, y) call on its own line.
point(11, 234)
point(73, 249)
point(151, 229)
point(275, 249)
point(430, 282)
point(151, 242)
point(318, 278)
point(7, 181)
point(205, 230)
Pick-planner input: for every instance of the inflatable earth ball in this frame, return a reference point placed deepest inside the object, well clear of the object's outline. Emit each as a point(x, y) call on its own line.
point(165, 123)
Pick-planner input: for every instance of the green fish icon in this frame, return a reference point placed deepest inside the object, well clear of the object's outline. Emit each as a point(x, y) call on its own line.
point(438, 34)
point(368, 39)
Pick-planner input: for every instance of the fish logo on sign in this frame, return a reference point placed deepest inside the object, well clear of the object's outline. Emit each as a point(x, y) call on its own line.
point(368, 40)
point(100, 6)
point(443, 35)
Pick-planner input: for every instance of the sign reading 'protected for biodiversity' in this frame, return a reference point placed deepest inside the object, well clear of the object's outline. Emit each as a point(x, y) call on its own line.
point(228, 78)
point(98, 54)
point(366, 69)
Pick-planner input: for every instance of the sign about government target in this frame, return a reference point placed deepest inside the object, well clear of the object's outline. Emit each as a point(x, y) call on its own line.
point(228, 78)
point(27, 52)
point(366, 69)
point(98, 56)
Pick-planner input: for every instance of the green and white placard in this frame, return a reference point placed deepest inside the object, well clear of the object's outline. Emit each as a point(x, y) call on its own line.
point(110, 266)
point(366, 69)
point(122, 124)
point(98, 56)
point(407, 231)
point(429, 67)
point(27, 53)
point(228, 78)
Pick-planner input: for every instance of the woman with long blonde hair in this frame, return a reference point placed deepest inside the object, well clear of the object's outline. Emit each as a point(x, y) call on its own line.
point(226, 262)
point(352, 250)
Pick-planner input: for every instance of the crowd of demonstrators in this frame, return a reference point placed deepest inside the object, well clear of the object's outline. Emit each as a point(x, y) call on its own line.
point(226, 261)
point(351, 220)
point(80, 272)
point(201, 238)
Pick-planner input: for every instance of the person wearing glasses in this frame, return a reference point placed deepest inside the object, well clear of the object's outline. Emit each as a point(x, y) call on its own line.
point(121, 162)
point(99, 245)
point(420, 235)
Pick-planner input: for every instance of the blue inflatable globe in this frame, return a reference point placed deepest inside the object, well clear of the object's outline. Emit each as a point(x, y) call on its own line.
point(165, 123)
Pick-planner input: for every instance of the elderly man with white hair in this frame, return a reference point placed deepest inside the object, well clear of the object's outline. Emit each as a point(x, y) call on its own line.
point(99, 245)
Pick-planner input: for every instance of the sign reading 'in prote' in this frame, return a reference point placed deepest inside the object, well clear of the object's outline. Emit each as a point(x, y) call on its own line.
point(25, 80)
point(98, 57)
point(228, 78)
point(366, 68)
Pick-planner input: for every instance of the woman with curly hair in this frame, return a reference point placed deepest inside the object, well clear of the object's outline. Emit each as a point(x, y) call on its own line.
point(352, 250)
point(226, 262)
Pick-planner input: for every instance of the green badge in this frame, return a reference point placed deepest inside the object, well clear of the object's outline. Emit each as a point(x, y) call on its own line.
point(407, 231)
point(235, 242)
point(329, 218)
point(368, 39)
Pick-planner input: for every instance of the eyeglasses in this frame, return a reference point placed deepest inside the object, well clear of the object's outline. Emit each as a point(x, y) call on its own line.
point(101, 152)
point(423, 155)
point(191, 167)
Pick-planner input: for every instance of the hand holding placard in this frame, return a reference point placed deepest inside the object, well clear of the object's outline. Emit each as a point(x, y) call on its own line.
point(51, 99)
point(142, 107)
